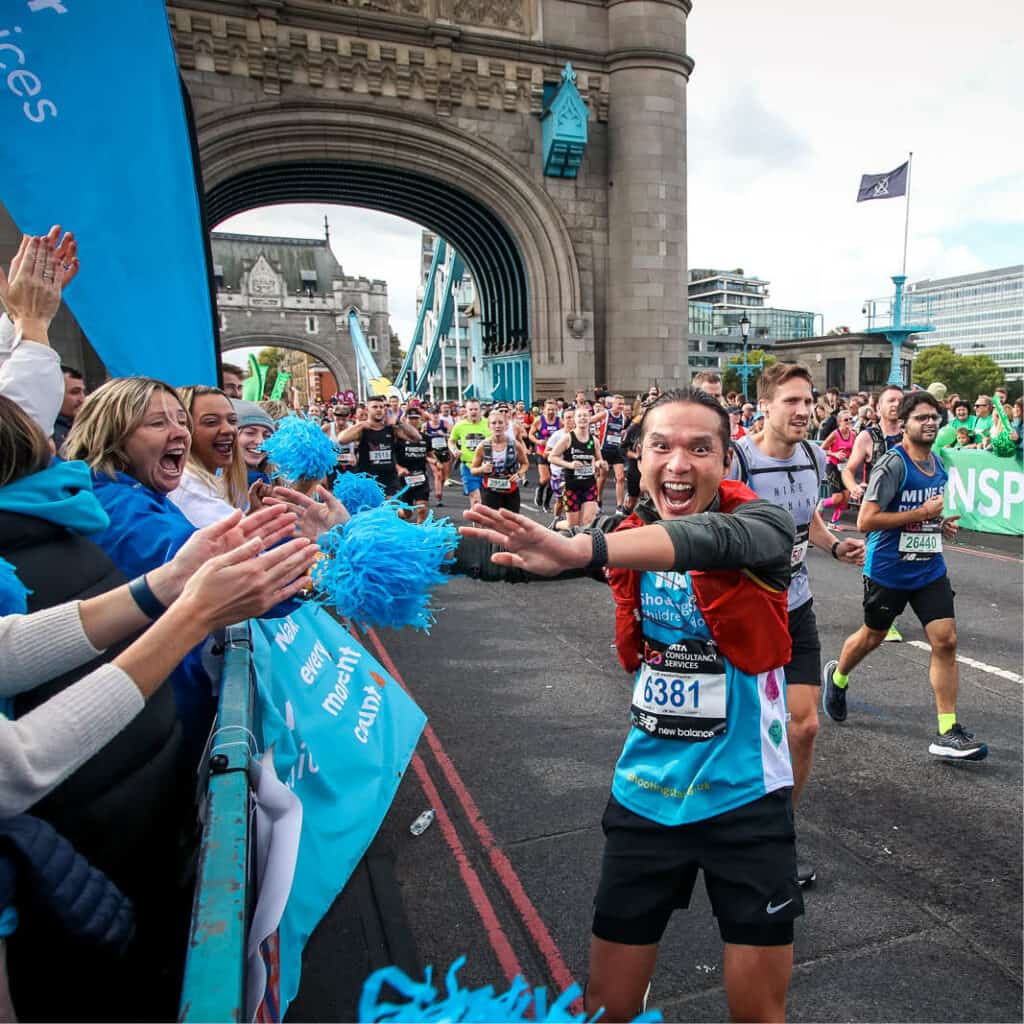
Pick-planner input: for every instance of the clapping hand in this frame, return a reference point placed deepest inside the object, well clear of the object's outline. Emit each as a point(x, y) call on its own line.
point(65, 263)
point(313, 517)
point(239, 585)
point(269, 526)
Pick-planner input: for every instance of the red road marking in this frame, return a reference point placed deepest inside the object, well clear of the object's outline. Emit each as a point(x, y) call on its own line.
point(507, 958)
point(501, 864)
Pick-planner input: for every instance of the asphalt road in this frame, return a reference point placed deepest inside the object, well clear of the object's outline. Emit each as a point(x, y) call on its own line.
point(917, 912)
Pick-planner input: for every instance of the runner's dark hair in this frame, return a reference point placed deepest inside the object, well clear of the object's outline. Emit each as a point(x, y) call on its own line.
point(690, 396)
point(914, 399)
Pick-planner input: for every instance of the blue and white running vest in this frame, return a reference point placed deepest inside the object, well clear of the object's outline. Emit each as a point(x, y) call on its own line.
point(909, 557)
point(706, 737)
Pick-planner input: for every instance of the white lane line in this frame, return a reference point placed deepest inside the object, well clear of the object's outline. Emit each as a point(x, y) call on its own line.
point(1003, 673)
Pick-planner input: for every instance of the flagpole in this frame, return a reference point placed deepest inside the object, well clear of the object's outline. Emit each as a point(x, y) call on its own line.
point(906, 226)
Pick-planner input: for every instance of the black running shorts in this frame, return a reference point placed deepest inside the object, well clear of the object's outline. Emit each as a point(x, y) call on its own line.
point(614, 455)
point(748, 857)
point(501, 499)
point(882, 604)
point(804, 666)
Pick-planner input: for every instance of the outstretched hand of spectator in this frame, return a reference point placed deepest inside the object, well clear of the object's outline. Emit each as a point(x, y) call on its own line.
point(314, 517)
point(239, 585)
point(269, 526)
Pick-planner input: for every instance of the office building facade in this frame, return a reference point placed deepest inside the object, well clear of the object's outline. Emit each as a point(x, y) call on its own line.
point(975, 314)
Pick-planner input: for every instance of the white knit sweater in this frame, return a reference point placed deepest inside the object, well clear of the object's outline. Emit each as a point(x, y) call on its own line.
point(40, 750)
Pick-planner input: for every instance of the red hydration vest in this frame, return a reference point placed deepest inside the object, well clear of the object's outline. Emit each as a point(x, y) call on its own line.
point(748, 620)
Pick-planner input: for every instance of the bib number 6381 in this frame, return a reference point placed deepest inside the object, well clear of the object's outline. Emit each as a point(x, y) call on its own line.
point(672, 692)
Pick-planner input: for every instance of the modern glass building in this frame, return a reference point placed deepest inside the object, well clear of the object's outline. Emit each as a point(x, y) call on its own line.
point(975, 314)
point(718, 300)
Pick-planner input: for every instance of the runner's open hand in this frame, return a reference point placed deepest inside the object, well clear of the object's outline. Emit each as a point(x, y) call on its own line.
point(851, 552)
point(528, 545)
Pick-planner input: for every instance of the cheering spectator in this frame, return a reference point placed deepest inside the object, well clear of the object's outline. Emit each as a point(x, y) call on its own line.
point(948, 436)
point(255, 425)
point(97, 750)
point(215, 477)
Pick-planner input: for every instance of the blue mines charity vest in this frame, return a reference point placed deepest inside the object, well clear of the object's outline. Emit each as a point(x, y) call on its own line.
point(909, 557)
point(706, 738)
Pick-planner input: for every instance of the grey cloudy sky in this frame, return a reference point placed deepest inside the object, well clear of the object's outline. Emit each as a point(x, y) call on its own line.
point(788, 105)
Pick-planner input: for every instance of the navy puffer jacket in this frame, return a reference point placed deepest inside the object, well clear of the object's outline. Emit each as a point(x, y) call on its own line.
point(42, 873)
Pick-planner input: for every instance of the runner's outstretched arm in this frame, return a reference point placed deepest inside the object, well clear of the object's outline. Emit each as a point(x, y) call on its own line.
point(757, 536)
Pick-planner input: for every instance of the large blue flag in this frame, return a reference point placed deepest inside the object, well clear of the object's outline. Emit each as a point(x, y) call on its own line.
point(95, 138)
point(883, 186)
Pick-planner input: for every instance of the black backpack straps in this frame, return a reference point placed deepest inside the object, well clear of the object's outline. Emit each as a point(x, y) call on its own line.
point(812, 456)
point(742, 459)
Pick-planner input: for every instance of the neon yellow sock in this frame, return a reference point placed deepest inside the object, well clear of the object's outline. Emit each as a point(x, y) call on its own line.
point(839, 679)
point(946, 722)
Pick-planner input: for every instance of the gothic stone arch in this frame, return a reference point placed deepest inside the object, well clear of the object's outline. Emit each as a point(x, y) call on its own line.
point(325, 353)
point(250, 139)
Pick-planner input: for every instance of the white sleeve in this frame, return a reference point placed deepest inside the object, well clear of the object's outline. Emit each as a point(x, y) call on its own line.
point(199, 506)
point(30, 376)
point(38, 647)
point(40, 750)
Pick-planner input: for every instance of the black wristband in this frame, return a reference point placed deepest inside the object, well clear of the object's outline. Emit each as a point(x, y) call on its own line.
point(835, 544)
point(599, 556)
point(149, 604)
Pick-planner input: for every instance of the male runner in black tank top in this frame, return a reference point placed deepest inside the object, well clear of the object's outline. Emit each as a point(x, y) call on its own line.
point(375, 453)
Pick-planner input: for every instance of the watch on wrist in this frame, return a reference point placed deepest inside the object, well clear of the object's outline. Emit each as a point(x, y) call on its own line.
point(835, 548)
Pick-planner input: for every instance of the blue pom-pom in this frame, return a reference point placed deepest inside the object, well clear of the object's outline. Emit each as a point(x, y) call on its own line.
point(424, 1003)
point(358, 492)
point(300, 450)
point(13, 593)
point(380, 569)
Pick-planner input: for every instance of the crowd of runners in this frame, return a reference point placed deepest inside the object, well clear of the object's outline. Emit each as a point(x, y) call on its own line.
point(702, 526)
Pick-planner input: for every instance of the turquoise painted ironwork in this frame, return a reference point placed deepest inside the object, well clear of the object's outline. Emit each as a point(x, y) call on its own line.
point(214, 983)
point(368, 368)
point(896, 331)
point(510, 378)
point(404, 377)
point(564, 129)
point(441, 328)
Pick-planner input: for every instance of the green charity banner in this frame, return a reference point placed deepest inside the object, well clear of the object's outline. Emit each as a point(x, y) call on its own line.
point(252, 386)
point(986, 491)
point(279, 385)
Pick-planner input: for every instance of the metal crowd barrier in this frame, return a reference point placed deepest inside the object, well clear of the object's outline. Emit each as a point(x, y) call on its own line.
point(214, 983)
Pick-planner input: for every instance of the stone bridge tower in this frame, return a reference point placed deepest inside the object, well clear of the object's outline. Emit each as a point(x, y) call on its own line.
point(431, 109)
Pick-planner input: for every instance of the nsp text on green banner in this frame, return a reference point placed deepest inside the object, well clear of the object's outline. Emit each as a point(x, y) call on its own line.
point(986, 491)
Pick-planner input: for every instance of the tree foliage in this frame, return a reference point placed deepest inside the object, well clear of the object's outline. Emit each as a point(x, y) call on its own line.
point(271, 357)
point(732, 381)
point(966, 376)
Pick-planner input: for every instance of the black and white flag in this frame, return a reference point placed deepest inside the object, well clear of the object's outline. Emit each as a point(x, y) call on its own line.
point(883, 186)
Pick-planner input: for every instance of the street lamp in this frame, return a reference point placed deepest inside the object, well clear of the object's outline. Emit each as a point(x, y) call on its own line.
point(745, 331)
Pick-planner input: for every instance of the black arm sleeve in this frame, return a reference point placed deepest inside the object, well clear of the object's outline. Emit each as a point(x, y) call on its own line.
point(758, 536)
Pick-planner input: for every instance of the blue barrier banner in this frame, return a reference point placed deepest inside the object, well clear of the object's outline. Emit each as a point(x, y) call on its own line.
point(96, 139)
point(342, 733)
